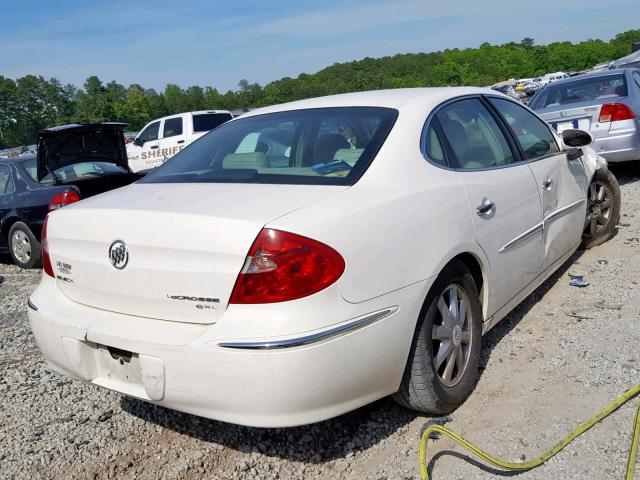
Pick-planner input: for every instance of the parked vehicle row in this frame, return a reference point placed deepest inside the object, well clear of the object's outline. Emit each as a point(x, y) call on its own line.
point(309, 258)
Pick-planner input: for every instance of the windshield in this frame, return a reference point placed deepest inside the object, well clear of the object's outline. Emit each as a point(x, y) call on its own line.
point(586, 89)
point(204, 122)
point(331, 146)
point(73, 172)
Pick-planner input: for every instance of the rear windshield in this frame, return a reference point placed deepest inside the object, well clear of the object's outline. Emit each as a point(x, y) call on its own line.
point(73, 172)
point(208, 121)
point(580, 90)
point(331, 146)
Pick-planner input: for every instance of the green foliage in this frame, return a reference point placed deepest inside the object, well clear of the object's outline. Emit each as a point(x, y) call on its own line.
point(31, 103)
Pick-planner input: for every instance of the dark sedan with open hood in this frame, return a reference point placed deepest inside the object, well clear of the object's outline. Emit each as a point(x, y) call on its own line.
point(73, 162)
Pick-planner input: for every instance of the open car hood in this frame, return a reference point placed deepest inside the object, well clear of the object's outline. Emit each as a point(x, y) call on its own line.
point(75, 143)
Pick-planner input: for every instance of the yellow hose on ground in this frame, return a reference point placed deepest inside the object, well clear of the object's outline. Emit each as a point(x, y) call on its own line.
point(433, 430)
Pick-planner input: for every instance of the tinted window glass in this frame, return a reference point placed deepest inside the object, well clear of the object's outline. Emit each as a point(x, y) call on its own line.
point(533, 134)
point(332, 146)
point(433, 147)
point(6, 182)
point(636, 77)
point(580, 90)
point(172, 127)
point(204, 122)
point(73, 172)
point(474, 136)
point(150, 133)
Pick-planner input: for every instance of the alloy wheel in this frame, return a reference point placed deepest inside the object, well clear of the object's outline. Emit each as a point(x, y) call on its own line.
point(21, 246)
point(600, 201)
point(451, 335)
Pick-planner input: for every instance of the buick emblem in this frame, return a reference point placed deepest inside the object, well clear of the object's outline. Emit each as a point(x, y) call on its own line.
point(119, 254)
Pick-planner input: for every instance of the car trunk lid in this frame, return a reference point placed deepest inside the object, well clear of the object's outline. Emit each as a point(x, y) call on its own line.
point(185, 245)
point(66, 145)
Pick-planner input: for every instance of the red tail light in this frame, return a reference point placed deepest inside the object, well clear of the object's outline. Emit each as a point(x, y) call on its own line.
point(44, 245)
point(283, 266)
point(62, 199)
point(614, 112)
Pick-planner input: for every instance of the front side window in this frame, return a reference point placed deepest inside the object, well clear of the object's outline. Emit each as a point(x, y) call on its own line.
point(172, 127)
point(6, 182)
point(332, 146)
point(580, 90)
point(475, 138)
point(533, 135)
point(150, 133)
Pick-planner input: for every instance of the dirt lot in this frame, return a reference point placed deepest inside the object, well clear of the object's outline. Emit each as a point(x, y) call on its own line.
point(556, 360)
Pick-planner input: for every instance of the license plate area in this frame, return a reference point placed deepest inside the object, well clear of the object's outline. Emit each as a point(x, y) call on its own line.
point(562, 126)
point(118, 365)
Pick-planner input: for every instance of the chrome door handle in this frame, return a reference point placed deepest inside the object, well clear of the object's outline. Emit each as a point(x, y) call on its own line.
point(485, 207)
point(547, 184)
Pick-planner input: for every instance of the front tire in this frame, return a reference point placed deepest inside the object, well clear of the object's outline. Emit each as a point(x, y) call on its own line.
point(603, 209)
point(24, 247)
point(445, 352)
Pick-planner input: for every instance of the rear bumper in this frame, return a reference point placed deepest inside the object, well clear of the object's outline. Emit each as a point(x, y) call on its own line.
point(192, 369)
point(621, 146)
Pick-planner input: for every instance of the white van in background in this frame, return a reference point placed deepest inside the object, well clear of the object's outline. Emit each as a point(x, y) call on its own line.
point(162, 138)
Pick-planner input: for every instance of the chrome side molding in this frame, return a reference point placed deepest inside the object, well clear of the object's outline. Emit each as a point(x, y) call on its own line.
point(32, 305)
point(354, 324)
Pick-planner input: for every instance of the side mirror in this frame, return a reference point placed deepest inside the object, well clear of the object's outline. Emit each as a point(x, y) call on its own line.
point(138, 141)
point(576, 138)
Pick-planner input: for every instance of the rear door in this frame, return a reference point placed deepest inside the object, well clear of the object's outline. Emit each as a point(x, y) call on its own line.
point(562, 184)
point(501, 193)
point(173, 137)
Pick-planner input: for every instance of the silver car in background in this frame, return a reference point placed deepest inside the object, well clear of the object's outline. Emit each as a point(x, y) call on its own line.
point(606, 104)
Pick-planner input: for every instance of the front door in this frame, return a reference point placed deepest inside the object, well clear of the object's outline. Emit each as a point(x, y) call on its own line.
point(7, 189)
point(502, 196)
point(562, 184)
point(144, 151)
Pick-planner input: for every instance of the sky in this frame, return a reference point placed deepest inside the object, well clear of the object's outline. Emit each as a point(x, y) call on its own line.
point(218, 43)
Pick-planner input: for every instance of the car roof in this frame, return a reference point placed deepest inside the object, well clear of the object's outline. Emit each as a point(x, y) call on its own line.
point(196, 112)
point(393, 98)
point(599, 73)
point(83, 126)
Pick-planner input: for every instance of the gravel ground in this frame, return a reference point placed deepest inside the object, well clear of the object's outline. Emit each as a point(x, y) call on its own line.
point(557, 359)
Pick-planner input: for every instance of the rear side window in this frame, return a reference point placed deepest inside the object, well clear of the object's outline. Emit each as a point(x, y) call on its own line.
point(533, 135)
point(321, 146)
point(636, 77)
point(150, 133)
point(475, 138)
point(203, 122)
point(580, 90)
point(172, 127)
point(433, 146)
point(6, 182)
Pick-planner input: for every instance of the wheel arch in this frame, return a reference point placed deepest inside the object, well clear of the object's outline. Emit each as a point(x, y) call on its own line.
point(480, 273)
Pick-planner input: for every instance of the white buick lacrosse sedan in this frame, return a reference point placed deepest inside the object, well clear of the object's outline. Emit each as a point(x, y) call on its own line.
point(309, 258)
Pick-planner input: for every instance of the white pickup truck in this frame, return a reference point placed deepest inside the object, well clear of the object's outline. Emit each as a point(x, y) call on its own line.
point(162, 138)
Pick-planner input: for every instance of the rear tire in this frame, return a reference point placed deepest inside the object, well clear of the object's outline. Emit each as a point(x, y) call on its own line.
point(427, 384)
point(24, 247)
point(603, 209)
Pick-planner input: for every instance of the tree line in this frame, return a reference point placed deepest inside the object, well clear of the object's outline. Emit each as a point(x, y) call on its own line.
point(31, 103)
